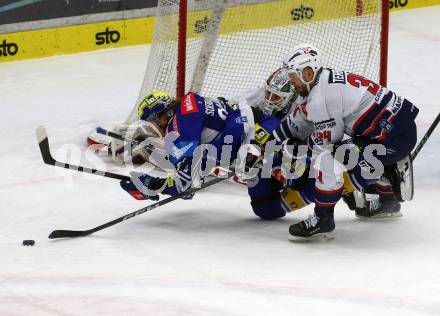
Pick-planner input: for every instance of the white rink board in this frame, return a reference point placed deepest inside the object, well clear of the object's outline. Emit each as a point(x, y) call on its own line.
point(209, 256)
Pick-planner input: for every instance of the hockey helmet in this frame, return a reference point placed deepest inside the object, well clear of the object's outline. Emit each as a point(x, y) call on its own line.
point(278, 94)
point(301, 57)
point(156, 104)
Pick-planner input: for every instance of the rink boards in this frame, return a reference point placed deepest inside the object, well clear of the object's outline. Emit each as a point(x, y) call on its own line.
point(70, 39)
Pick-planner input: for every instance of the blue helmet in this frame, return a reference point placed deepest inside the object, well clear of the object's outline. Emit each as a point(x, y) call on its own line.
point(154, 105)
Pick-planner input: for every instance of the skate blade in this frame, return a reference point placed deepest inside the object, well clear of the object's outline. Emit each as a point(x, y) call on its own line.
point(318, 237)
point(382, 216)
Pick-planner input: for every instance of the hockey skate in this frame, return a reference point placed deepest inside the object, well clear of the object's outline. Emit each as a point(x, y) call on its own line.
point(379, 207)
point(312, 228)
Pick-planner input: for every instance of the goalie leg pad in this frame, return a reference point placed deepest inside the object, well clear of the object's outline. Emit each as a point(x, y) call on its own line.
point(398, 167)
point(401, 177)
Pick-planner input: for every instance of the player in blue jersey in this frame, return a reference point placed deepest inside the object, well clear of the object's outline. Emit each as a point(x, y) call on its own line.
point(224, 126)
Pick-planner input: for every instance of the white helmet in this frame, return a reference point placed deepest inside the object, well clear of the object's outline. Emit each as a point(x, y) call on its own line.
point(301, 57)
point(278, 94)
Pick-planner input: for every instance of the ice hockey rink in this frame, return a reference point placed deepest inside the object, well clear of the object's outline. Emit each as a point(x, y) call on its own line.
point(210, 256)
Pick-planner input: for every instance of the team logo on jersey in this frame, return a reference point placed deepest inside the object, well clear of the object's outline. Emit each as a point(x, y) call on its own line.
point(296, 110)
point(189, 105)
point(379, 94)
point(232, 105)
point(261, 135)
point(385, 124)
point(303, 107)
point(209, 107)
point(300, 108)
point(328, 124)
point(397, 106)
point(241, 120)
point(336, 77)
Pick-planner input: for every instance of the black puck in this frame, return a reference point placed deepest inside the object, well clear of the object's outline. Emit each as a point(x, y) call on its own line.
point(28, 242)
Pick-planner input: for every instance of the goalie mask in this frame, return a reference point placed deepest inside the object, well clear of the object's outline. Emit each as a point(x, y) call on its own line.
point(278, 94)
point(155, 105)
point(302, 56)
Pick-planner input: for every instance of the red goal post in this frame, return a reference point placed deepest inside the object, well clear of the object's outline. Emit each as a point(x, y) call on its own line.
point(224, 47)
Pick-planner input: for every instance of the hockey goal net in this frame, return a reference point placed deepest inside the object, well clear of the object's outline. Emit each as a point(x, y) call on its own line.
point(224, 47)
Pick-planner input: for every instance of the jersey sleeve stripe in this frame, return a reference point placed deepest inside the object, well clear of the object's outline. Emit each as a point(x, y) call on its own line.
point(375, 122)
point(328, 192)
point(363, 116)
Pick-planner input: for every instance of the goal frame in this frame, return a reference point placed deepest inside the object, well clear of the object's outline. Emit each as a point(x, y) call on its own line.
point(182, 46)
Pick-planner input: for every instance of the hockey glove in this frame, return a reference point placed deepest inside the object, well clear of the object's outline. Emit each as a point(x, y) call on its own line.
point(249, 161)
point(143, 187)
point(183, 178)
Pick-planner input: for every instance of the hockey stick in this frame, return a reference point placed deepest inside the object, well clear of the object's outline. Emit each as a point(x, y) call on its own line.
point(111, 134)
point(80, 233)
point(43, 143)
point(133, 142)
point(425, 138)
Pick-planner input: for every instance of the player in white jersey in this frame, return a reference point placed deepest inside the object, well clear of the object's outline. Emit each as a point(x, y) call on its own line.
point(339, 103)
point(270, 197)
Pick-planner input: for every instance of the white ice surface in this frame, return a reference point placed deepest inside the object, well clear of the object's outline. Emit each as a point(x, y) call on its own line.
point(208, 256)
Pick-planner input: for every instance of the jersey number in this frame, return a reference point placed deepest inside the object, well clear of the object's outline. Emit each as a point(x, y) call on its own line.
point(358, 81)
point(323, 136)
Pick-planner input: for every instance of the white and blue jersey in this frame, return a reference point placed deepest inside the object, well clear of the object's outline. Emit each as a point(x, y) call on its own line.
point(201, 120)
point(342, 103)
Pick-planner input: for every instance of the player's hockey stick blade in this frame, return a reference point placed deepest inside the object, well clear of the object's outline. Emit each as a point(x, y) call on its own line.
point(425, 138)
point(43, 143)
point(80, 233)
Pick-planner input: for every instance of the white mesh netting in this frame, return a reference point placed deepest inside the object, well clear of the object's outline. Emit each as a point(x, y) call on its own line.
point(252, 38)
